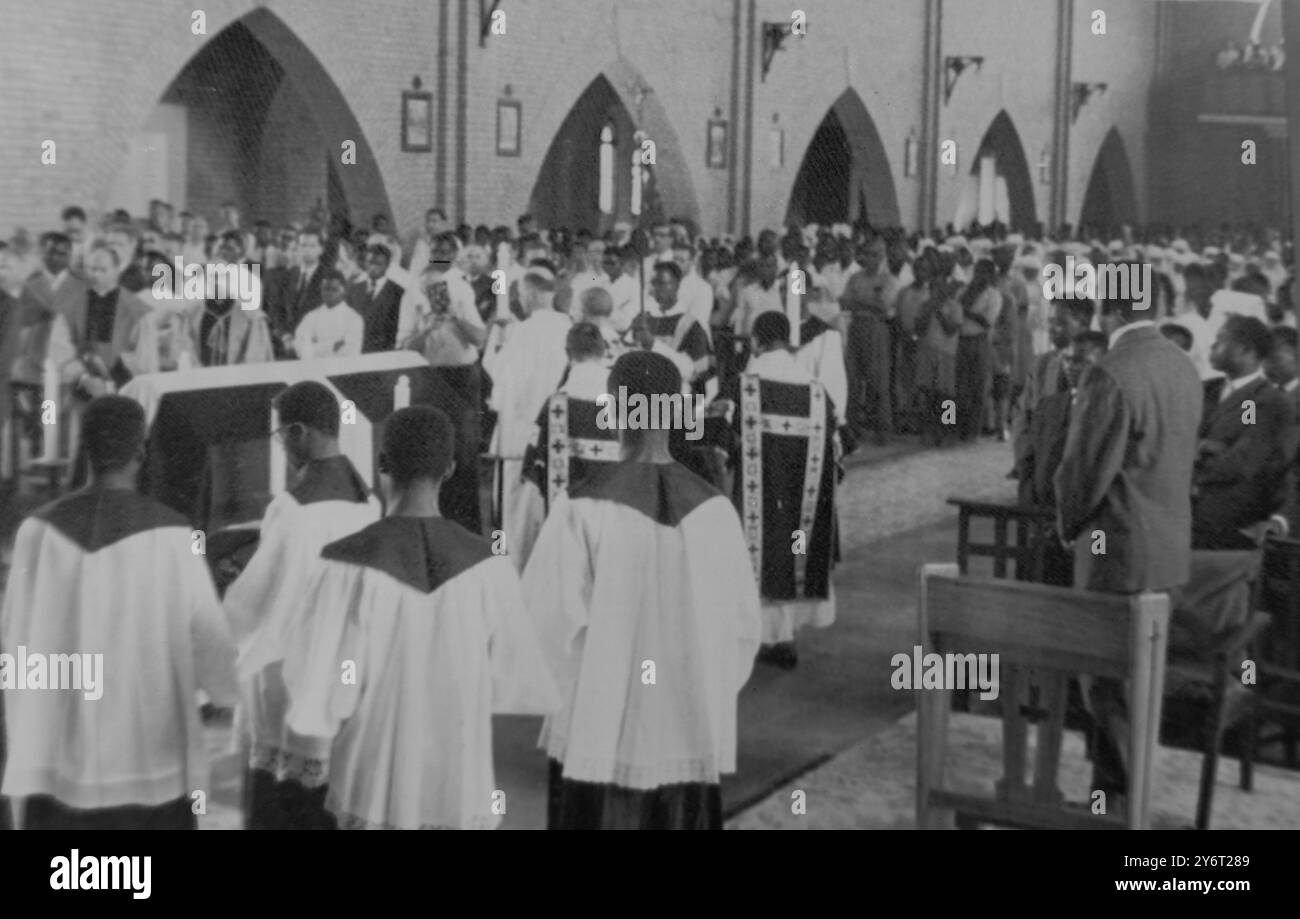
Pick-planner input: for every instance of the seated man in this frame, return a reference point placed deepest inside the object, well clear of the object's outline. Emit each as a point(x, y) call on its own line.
point(430, 630)
point(1244, 436)
point(284, 786)
point(110, 570)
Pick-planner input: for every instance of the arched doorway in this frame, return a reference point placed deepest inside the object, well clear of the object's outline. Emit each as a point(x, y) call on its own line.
point(586, 177)
point(254, 119)
point(999, 188)
point(844, 171)
point(567, 191)
point(1110, 200)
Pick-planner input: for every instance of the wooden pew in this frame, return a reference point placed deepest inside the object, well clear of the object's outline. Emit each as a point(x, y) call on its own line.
point(1056, 632)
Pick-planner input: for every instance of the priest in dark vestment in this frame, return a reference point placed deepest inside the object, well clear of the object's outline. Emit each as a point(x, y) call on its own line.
point(570, 440)
point(648, 614)
point(105, 586)
point(781, 444)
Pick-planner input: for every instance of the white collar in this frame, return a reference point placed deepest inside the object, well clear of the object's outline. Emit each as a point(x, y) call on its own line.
point(1233, 386)
point(1122, 330)
point(778, 365)
point(587, 380)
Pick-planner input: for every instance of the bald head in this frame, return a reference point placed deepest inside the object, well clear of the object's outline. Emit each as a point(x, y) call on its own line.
point(597, 304)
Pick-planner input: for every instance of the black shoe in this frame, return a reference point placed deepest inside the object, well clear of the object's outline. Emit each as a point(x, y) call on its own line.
point(782, 655)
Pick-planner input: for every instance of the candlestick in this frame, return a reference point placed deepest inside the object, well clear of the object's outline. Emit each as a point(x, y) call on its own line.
point(279, 464)
point(792, 304)
point(50, 397)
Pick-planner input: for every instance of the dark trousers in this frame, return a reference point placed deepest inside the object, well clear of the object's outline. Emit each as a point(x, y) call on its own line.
point(591, 806)
point(1214, 602)
point(43, 812)
point(869, 366)
point(972, 383)
point(460, 495)
point(273, 805)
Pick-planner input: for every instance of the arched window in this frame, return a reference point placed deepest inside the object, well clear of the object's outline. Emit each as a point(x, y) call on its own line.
point(607, 169)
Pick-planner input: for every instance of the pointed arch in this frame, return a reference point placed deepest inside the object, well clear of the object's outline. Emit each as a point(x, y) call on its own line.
point(845, 170)
point(259, 121)
point(1000, 185)
point(566, 192)
point(1111, 198)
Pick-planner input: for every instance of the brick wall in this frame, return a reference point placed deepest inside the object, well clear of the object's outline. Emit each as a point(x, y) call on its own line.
point(91, 74)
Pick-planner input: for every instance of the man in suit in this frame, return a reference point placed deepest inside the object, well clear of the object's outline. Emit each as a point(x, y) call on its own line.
point(1245, 433)
point(378, 298)
point(298, 290)
point(1127, 476)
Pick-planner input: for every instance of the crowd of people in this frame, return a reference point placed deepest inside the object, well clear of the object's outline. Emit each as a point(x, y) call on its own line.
point(634, 557)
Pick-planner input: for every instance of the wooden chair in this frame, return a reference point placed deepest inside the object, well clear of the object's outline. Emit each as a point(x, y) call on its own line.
point(1033, 526)
point(1277, 696)
point(1058, 632)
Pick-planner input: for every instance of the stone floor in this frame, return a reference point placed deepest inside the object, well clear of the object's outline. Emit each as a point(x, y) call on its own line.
point(834, 727)
point(872, 786)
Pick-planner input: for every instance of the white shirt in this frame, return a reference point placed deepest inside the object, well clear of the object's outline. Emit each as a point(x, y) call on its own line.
point(1232, 386)
point(329, 331)
point(696, 296)
point(626, 294)
point(1204, 330)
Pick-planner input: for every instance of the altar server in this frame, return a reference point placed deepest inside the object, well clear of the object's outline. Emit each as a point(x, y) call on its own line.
point(647, 609)
point(412, 634)
point(106, 589)
point(284, 787)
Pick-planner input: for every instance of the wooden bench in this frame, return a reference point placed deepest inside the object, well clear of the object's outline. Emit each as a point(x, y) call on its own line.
point(1058, 633)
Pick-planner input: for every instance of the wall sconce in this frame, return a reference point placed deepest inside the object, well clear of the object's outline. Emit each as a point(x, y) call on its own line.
point(909, 155)
point(1082, 93)
point(776, 143)
point(953, 68)
point(485, 14)
point(774, 34)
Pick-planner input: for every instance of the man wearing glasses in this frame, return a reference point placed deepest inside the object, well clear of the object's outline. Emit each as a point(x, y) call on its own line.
point(329, 500)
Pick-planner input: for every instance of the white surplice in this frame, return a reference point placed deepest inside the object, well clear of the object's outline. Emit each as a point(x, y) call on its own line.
point(434, 628)
point(823, 359)
point(524, 373)
point(262, 602)
point(113, 573)
point(645, 603)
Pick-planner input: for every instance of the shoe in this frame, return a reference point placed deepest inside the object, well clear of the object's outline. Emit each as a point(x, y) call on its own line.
point(782, 655)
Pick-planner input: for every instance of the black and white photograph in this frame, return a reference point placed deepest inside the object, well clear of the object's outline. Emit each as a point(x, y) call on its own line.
point(687, 415)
